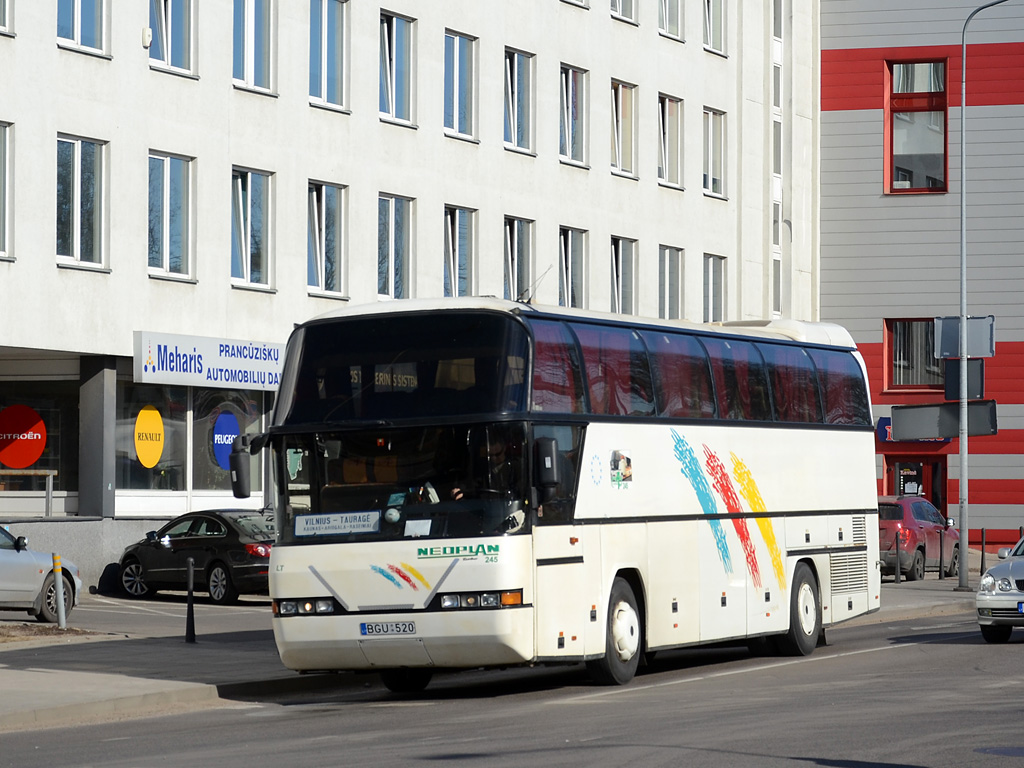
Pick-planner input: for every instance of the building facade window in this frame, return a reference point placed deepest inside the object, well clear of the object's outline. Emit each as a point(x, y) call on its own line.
point(169, 214)
point(517, 258)
point(916, 127)
point(670, 18)
point(714, 152)
point(624, 9)
point(80, 192)
point(171, 24)
point(670, 140)
point(912, 362)
point(4, 23)
point(252, 38)
point(327, 50)
point(623, 128)
point(394, 234)
point(518, 76)
point(81, 22)
point(714, 25)
point(458, 251)
point(458, 83)
point(395, 67)
point(4, 189)
point(250, 227)
point(714, 288)
point(572, 115)
point(325, 237)
point(670, 282)
point(571, 258)
point(623, 255)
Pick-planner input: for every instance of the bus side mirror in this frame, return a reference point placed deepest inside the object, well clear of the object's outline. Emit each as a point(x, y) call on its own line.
point(549, 476)
point(238, 462)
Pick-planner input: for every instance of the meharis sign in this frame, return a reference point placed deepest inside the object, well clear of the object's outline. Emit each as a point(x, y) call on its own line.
point(204, 361)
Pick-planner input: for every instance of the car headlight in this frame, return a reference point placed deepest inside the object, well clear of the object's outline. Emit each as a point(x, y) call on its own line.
point(1004, 585)
point(987, 583)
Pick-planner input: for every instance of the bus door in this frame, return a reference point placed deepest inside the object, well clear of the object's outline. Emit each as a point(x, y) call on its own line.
point(561, 604)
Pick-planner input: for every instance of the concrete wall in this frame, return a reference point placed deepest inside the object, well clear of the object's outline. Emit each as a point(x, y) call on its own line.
point(92, 544)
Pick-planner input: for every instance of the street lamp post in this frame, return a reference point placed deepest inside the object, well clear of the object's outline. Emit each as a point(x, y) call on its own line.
point(964, 525)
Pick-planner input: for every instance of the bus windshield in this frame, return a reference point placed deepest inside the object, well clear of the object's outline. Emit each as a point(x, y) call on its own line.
point(388, 484)
point(406, 366)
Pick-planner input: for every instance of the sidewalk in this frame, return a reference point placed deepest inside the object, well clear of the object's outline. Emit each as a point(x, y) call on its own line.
point(68, 680)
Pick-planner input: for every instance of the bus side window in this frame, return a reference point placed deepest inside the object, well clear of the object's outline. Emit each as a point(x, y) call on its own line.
point(557, 383)
point(842, 387)
point(618, 374)
point(794, 384)
point(568, 438)
point(740, 380)
point(681, 375)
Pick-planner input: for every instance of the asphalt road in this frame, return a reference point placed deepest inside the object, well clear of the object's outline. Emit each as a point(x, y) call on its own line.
point(924, 692)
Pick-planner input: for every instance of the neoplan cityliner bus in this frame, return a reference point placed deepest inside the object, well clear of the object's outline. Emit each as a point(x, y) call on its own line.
point(473, 482)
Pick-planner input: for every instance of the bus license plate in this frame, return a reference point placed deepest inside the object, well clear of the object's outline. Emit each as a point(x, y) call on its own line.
point(388, 628)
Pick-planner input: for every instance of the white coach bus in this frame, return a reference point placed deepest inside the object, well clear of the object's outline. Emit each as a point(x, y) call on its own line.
point(474, 482)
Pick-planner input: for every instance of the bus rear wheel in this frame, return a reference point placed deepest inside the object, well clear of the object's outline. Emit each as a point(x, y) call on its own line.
point(406, 680)
point(804, 614)
point(623, 638)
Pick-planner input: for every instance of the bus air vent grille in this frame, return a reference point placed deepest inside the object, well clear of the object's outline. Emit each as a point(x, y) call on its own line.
point(849, 572)
point(860, 530)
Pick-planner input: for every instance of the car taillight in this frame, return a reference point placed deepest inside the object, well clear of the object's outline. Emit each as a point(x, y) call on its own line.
point(258, 550)
point(904, 536)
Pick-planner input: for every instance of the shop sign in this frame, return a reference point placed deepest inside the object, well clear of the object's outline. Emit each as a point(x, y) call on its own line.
point(205, 361)
point(149, 436)
point(22, 436)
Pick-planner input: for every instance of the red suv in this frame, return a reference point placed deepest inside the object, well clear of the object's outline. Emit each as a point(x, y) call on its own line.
point(915, 524)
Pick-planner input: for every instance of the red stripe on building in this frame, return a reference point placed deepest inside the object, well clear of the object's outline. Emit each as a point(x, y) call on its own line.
point(855, 78)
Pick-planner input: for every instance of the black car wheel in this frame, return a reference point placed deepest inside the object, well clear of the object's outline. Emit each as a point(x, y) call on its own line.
point(996, 633)
point(954, 563)
point(133, 580)
point(222, 589)
point(48, 604)
point(916, 572)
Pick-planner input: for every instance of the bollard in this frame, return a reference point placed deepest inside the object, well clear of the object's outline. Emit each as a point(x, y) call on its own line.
point(942, 553)
point(190, 619)
point(982, 551)
point(58, 592)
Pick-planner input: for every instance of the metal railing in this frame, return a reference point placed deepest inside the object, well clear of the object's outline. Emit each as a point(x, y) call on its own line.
point(49, 474)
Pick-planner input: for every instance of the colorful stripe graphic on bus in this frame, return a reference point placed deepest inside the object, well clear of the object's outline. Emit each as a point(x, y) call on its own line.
point(393, 573)
point(750, 492)
point(692, 470)
point(723, 484)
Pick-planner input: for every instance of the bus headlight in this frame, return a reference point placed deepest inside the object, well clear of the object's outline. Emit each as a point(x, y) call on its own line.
point(315, 605)
point(471, 600)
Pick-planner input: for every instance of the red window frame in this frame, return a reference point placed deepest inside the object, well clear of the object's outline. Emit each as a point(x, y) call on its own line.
point(928, 101)
point(889, 384)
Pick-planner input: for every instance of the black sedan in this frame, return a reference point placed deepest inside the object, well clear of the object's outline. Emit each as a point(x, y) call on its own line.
point(230, 549)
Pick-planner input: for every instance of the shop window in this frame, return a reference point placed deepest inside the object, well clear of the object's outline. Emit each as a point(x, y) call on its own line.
point(217, 416)
point(911, 355)
point(915, 136)
point(53, 445)
point(155, 449)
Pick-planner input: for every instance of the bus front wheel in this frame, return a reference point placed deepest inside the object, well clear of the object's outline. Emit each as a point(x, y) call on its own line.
point(804, 614)
point(623, 638)
point(406, 680)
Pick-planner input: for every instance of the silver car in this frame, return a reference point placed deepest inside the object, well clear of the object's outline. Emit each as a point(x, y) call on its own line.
point(1000, 598)
point(27, 580)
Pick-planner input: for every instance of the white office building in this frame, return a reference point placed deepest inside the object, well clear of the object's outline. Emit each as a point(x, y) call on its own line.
point(181, 182)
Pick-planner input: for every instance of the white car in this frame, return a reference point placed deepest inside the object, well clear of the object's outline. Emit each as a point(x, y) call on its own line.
point(27, 580)
point(1000, 598)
